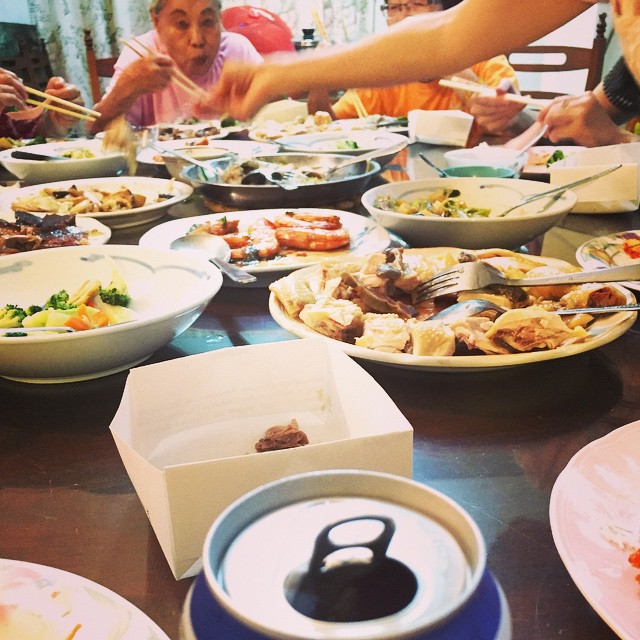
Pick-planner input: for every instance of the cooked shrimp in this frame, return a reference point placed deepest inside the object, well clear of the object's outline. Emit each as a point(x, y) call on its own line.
point(291, 219)
point(262, 244)
point(312, 239)
point(219, 227)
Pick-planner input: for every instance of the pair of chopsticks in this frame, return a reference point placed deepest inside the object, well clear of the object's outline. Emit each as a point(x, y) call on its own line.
point(72, 109)
point(322, 30)
point(179, 78)
point(357, 103)
point(474, 87)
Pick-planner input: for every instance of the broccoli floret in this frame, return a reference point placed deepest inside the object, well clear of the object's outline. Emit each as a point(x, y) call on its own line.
point(115, 297)
point(34, 308)
point(59, 300)
point(11, 316)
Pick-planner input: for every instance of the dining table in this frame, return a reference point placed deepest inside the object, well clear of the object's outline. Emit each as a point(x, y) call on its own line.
point(492, 440)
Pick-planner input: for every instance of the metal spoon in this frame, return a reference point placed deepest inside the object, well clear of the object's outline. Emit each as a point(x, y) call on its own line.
point(208, 171)
point(468, 308)
point(555, 192)
point(28, 155)
point(217, 252)
point(441, 173)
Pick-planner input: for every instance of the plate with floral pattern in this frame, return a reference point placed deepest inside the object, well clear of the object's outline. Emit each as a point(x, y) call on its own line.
point(615, 250)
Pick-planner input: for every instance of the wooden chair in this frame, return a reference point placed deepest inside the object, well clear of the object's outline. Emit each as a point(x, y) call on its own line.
point(563, 58)
point(31, 63)
point(98, 67)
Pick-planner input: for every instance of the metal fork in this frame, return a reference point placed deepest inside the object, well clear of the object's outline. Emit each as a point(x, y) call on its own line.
point(471, 276)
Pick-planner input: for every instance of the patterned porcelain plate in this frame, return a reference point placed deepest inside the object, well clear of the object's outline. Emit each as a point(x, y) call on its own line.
point(616, 250)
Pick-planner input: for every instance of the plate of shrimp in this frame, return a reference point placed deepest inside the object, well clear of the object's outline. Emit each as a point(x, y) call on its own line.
point(268, 242)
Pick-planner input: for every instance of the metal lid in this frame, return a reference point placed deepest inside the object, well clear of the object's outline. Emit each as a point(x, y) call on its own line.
point(343, 554)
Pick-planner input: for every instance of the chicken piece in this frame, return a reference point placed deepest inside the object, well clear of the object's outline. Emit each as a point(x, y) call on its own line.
point(383, 332)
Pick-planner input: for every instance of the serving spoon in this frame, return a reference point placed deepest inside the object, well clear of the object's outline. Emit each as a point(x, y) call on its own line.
point(217, 252)
point(29, 155)
point(441, 173)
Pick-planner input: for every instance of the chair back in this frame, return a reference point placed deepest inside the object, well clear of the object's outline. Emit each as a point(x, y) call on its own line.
point(554, 59)
point(97, 67)
point(31, 63)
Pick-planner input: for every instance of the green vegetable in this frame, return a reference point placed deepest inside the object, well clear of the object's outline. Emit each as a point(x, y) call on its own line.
point(229, 122)
point(116, 292)
point(58, 300)
point(11, 316)
point(347, 144)
point(555, 156)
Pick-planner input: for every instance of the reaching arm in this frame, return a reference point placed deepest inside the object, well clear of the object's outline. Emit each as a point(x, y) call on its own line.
point(420, 48)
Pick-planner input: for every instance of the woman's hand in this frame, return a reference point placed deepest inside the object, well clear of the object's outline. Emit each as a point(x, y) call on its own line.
point(494, 114)
point(59, 123)
point(12, 92)
point(146, 75)
point(580, 120)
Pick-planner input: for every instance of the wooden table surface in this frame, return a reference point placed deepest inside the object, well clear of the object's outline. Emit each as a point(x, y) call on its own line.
point(494, 441)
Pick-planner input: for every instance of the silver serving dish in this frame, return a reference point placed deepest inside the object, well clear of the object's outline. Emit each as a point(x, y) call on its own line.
point(342, 184)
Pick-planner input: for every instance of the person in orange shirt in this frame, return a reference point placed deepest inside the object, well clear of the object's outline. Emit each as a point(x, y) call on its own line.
point(492, 115)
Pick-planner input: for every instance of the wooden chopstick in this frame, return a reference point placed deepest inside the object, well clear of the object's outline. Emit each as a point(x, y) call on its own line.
point(179, 78)
point(322, 30)
point(66, 103)
point(357, 103)
point(471, 87)
point(51, 107)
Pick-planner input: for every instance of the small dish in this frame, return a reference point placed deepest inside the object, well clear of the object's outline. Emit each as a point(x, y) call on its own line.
point(479, 171)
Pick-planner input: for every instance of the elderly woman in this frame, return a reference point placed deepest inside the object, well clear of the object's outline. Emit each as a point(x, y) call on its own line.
point(427, 46)
point(19, 120)
point(188, 37)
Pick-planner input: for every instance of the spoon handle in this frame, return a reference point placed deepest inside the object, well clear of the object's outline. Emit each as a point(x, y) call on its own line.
point(235, 273)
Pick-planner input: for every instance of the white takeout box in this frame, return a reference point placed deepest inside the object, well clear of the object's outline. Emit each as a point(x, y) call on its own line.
point(447, 127)
point(614, 193)
point(186, 431)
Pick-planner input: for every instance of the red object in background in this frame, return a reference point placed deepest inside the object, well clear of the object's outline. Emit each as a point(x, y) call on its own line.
point(266, 31)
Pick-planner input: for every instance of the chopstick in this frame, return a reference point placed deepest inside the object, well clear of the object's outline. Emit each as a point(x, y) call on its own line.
point(357, 103)
point(83, 113)
point(322, 30)
point(471, 87)
point(179, 78)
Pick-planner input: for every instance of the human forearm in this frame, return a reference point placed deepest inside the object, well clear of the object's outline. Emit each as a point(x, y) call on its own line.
point(116, 103)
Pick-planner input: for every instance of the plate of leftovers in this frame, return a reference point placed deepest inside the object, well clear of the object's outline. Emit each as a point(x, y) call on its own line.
point(313, 123)
point(352, 142)
point(596, 526)
point(73, 159)
point(118, 202)
point(151, 156)
point(617, 249)
point(191, 129)
point(273, 241)
point(42, 602)
point(540, 158)
point(21, 231)
point(365, 305)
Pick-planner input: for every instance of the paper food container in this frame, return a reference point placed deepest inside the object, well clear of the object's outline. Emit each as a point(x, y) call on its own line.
point(186, 431)
point(614, 193)
point(281, 111)
point(447, 127)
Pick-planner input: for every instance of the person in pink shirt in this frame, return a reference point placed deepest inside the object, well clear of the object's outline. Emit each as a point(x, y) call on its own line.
point(187, 36)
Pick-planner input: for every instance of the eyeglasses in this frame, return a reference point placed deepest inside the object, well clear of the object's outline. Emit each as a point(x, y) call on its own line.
point(395, 9)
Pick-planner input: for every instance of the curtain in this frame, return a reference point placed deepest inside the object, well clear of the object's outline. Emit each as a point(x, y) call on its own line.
point(61, 24)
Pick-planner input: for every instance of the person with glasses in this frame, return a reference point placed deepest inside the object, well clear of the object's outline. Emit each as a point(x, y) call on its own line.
point(430, 45)
point(492, 115)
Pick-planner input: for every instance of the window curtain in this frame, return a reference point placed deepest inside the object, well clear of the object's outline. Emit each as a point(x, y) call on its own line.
point(61, 25)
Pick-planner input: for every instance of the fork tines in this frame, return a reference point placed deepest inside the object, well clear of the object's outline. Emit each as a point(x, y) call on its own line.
point(441, 284)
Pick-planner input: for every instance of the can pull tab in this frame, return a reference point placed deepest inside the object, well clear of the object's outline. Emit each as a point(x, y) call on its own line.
point(340, 586)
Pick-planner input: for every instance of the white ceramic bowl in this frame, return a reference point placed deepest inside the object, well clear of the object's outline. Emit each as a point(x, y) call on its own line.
point(151, 188)
point(487, 156)
point(37, 171)
point(497, 194)
point(169, 290)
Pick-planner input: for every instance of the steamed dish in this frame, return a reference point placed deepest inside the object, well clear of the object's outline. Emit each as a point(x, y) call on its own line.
point(369, 303)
